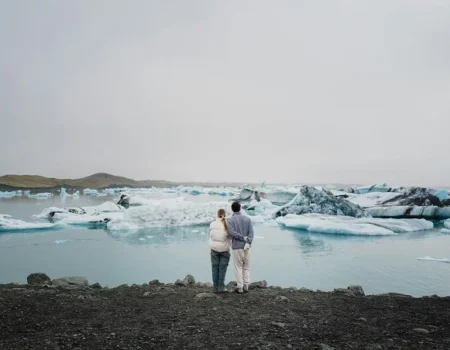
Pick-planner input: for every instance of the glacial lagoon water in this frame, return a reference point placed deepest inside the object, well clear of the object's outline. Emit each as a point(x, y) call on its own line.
point(283, 257)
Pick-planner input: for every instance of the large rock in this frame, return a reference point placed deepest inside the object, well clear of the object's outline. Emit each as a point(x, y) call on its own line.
point(71, 282)
point(38, 278)
point(342, 291)
point(312, 200)
point(189, 280)
point(357, 290)
point(259, 284)
point(231, 285)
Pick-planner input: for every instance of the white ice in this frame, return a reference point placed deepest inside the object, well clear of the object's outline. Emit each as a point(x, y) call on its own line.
point(165, 213)
point(447, 223)
point(428, 258)
point(374, 188)
point(42, 195)
point(8, 224)
point(347, 225)
point(445, 230)
point(10, 194)
point(372, 199)
point(430, 212)
point(77, 213)
point(90, 192)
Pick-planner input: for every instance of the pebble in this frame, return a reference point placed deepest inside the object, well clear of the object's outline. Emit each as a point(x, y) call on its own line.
point(146, 294)
point(362, 319)
point(421, 330)
point(282, 298)
point(326, 347)
point(278, 324)
point(205, 295)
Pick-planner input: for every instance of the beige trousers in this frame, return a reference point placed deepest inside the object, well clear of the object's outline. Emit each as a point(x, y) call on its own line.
point(241, 260)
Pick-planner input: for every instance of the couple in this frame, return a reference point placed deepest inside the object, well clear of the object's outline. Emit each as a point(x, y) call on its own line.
point(237, 233)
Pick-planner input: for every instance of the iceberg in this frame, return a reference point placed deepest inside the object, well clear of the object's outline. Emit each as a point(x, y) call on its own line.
point(430, 212)
point(374, 188)
point(8, 224)
point(442, 194)
point(347, 225)
point(277, 195)
point(57, 214)
point(90, 192)
point(413, 202)
point(165, 213)
point(373, 199)
point(428, 258)
point(9, 194)
point(42, 195)
point(447, 224)
point(311, 200)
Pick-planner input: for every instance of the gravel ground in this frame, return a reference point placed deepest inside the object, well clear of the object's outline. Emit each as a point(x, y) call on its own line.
point(174, 317)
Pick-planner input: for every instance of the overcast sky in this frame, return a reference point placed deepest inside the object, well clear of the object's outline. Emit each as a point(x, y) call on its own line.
point(283, 91)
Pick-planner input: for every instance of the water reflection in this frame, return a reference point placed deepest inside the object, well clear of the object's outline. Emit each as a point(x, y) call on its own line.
point(309, 244)
point(162, 235)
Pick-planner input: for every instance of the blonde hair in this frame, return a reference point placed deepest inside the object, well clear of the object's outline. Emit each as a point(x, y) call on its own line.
point(221, 213)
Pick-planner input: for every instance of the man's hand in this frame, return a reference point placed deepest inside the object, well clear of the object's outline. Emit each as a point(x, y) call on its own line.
point(246, 238)
point(247, 246)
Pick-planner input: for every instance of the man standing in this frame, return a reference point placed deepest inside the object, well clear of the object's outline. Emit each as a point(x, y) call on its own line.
point(241, 229)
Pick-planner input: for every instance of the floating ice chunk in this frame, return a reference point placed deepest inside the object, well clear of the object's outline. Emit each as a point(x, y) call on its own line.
point(374, 188)
point(8, 224)
point(447, 223)
point(168, 213)
point(9, 194)
point(352, 226)
point(312, 200)
point(42, 195)
point(373, 199)
point(445, 230)
point(56, 214)
point(430, 212)
point(90, 192)
point(94, 220)
point(62, 241)
point(442, 194)
point(257, 219)
point(428, 258)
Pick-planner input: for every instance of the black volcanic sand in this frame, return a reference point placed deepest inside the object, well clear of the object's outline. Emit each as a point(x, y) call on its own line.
point(172, 317)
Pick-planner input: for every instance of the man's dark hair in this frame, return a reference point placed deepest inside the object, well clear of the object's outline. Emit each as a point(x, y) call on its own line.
point(236, 207)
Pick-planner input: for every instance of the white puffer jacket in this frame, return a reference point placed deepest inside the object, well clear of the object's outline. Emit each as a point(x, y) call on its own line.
point(219, 239)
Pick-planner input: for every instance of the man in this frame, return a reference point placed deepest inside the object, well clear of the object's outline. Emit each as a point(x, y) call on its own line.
point(241, 229)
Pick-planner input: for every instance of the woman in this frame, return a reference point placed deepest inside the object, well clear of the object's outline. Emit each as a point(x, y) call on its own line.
point(219, 242)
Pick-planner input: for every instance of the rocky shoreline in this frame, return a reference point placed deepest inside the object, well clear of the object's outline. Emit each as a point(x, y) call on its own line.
point(69, 313)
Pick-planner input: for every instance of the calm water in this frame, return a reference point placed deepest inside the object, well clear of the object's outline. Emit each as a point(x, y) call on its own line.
point(281, 256)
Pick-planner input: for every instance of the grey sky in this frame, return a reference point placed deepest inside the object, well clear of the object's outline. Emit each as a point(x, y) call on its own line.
point(283, 91)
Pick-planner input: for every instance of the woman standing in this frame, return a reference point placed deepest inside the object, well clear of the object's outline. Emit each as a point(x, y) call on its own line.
point(219, 242)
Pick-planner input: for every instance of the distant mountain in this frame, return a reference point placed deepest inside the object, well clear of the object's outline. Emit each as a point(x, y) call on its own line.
point(98, 181)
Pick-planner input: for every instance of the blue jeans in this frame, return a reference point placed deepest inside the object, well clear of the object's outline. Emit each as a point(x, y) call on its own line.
point(219, 263)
